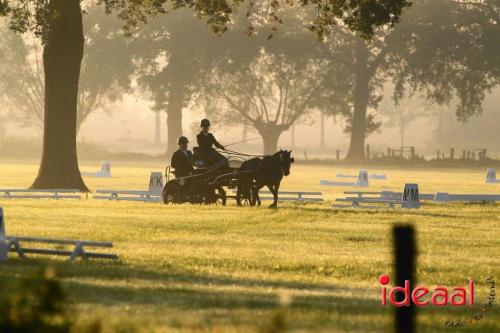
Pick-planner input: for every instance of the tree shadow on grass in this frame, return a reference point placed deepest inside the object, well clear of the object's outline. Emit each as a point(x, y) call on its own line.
point(197, 294)
point(115, 271)
point(183, 290)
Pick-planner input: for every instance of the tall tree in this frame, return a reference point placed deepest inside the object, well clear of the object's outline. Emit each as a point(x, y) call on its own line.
point(448, 56)
point(167, 66)
point(62, 57)
point(360, 82)
point(178, 51)
point(427, 53)
point(270, 94)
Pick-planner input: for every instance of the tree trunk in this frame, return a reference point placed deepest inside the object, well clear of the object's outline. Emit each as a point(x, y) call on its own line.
point(401, 126)
point(157, 128)
point(62, 57)
point(270, 139)
point(322, 132)
point(361, 97)
point(174, 116)
point(179, 74)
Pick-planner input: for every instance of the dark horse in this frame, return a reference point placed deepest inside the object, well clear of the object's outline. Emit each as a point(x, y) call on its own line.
point(259, 172)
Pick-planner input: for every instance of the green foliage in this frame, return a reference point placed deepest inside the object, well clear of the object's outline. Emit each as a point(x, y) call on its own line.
point(428, 54)
point(27, 15)
point(36, 305)
point(446, 56)
point(358, 15)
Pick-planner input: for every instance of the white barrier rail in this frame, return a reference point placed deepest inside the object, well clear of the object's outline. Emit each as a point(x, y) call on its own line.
point(446, 197)
point(153, 194)
point(294, 196)
point(41, 194)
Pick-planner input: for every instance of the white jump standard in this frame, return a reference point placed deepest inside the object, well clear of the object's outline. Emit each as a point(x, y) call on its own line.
point(105, 171)
point(491, 177)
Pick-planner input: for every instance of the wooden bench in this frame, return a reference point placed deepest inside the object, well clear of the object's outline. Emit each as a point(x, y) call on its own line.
point(15, 244)
point(294, 196)
point(41, 194)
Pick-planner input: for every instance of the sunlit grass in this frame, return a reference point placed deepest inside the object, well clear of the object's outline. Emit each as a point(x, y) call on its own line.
point(222, 269)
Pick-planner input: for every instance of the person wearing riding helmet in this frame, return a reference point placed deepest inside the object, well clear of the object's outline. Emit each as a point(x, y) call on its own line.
point(206, 143)
point(181, 159)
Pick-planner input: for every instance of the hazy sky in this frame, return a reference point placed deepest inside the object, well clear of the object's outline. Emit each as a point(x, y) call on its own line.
point(132, 122)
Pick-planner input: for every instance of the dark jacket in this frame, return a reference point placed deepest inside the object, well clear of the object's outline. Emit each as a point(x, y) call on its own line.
point(206, 142)
point(181, 163)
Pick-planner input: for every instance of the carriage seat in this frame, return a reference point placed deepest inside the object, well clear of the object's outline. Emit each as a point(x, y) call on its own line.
point(198, 158)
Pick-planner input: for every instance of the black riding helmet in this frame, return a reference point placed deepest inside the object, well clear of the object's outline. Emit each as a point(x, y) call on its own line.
point(205, 123)
point(182, 140)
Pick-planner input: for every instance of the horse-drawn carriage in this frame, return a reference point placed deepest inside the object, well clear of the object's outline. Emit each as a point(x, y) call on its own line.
point(236, 175)
point(209, 184)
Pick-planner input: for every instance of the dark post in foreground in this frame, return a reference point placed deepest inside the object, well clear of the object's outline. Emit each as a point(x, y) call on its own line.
point(62, 57)
point(3, 245)
point(404, 266)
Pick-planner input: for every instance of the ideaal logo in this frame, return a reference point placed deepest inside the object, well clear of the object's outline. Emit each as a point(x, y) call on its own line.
point(400, 296)
point(440, 296)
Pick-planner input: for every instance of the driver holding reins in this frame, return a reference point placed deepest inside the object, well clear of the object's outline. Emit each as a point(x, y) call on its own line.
point(206, 143)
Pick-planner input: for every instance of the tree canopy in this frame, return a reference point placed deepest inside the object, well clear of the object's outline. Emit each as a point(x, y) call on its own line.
point(441, 57)
point(447, 56)
point(269, 94)
point(358, 15)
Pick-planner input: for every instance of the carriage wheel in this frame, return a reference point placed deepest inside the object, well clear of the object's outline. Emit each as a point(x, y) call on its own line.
point(199, 193)
point(172, 193)
point(220, 196)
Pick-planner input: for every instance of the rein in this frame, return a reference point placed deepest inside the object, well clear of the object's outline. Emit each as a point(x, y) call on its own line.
point(243, 141)
point(238, 153)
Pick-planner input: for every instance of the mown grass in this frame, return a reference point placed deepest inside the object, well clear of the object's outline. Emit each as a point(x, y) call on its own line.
point(224, 269)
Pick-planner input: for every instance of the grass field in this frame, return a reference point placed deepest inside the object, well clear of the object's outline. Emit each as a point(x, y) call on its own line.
point(227, 269)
